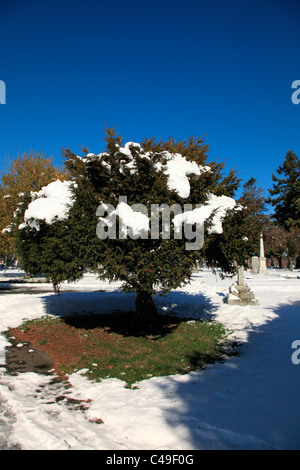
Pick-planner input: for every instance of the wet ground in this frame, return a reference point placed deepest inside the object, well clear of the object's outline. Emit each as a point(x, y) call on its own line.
point(25, 357)
point(20, 357)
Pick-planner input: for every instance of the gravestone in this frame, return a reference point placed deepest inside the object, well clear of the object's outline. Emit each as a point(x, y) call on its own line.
point(240, 279)
point(240, 293)
point(254, 264)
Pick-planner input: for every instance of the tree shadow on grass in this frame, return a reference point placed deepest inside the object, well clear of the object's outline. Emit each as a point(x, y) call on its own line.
point(115, 311)
point(124, 323)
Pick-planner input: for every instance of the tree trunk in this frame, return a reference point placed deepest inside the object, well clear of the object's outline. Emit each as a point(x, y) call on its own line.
point(298, 262)
point(146, 313)
point(56, 288)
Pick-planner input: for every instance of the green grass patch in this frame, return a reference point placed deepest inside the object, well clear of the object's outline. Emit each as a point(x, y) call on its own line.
point(105, 349)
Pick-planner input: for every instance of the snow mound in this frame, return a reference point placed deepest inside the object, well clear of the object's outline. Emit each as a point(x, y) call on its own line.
point(133, 220)
point(52, 203)
point(219, 205)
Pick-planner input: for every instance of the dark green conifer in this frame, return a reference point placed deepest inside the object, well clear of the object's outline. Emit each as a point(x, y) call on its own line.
point(145, 266)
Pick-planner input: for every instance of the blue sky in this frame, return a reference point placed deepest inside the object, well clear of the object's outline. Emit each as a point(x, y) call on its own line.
point(222, 69)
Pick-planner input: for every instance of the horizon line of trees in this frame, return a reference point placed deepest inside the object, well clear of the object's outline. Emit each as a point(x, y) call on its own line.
point(30, 171)
point(63, 249)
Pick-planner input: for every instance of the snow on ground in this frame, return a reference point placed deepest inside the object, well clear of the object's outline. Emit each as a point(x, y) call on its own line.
point(251, 401)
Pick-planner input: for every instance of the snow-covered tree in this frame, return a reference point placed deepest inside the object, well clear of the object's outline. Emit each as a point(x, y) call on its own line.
point(143, 213)
point(23, 174)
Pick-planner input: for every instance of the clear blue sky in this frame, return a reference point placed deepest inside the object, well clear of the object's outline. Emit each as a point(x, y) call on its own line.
point(219, 68)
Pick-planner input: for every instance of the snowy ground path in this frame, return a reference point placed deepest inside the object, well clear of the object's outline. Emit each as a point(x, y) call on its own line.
point(250, 401)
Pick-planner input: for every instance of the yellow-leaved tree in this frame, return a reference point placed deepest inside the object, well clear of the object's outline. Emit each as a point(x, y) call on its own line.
point(23, 174)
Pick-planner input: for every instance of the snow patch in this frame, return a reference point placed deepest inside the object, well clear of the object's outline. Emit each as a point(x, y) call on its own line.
point(217, 205)
point(51, 203)
point(250, 401)
point(134, 220)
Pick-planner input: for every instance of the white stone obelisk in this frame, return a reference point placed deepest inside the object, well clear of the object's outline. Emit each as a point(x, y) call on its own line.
point(262, 260)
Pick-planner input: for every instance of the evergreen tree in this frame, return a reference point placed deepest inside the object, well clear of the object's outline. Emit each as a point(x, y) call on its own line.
point(285, 198)
point(241, 231)
point(285, 194)
point(253, 202)
point(147, 264)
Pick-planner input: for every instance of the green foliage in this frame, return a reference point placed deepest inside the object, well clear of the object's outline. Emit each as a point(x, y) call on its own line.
point(144, 264)
point(285, 194)
point(23, 175)
point(52, 251)
point(64, 249)
point(283, 237)
point(241, 229)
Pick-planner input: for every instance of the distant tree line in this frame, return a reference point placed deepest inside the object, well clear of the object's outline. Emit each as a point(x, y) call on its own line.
point(29, 172)
point(282, 231)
